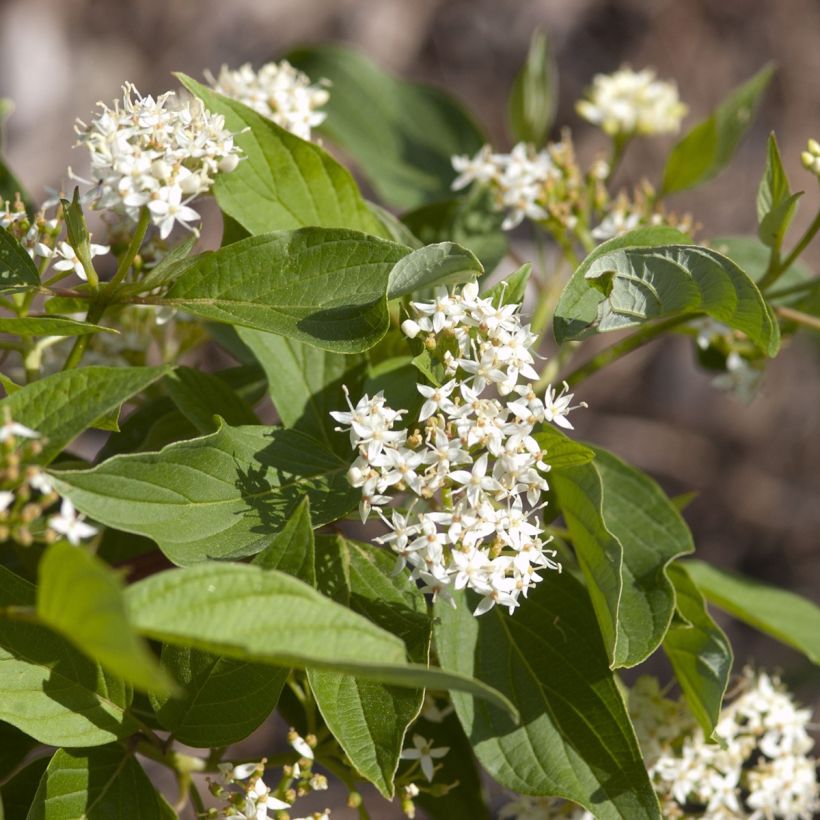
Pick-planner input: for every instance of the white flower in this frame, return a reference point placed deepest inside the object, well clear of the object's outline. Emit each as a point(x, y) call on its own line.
point(71, 525)
point(300, 745)
point(631, 102)
point(12, 429)
point(558, 406)
point(277, 91)
point(152, 152)
point(6, 500)
point(425, 754)
point(42, 482)
point(69, 261)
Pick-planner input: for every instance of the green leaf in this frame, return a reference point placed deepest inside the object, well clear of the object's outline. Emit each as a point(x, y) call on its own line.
point(324, 287)
point(49, 326)
point(370, 719)
point(283, 182)
point(223, 699)
point(99, 784)
point(80, 597)
point(562, 451)
point(292, 550)
point(48, 689)
point(699, 652)
point(789, 618)
point(472, 220)
point(575, 739)
point(635, 285)
point(63, 405)
point(17, 793)
point(442, 264)
point(201, 396)
point(708, 147)
point(17, 270)
point(305, 383)
point(249, 613)
point(404, 142)
point(776, 204)
point(626, 532)
point(511, 289)
point(77, 231)
point(215, 497)
point(534, 94)
point(577, 307)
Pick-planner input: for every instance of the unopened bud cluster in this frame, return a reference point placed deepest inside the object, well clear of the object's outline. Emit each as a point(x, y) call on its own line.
point(811, 157)
point(26, 493)
point(629, 102)
point(244, 793)
point(761, 768)
point(470, 462)
point(277, 91)
point(156, 153)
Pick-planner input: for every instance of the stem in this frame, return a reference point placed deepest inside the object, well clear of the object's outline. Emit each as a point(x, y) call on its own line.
point(133, 248)
point(619, 143)
point(196, 799)
point(805, 319)
point(798, 288)
point(94, 315)
point(777, 271)
point(627, 345)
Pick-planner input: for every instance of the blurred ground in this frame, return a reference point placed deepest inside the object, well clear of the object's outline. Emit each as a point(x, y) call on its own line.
point(755, 467)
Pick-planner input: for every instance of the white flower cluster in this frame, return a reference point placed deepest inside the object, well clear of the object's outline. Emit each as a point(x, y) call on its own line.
point(811, 157)
point(156, 153)
point(631, 102)
point(28, 492)
point(470, 461)
point(246, 796)
point(761, 770)
point(518, 179)
point(277, 91)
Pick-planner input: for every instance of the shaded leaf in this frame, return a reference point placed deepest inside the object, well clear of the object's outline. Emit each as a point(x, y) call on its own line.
point(699, 652)
point(305, 383)
point(223, 699)
point(776, 204)
point(626, 532)
point(17, 270)
point(405, 142)
point(370, 719)
point(219, 496)
point(17, 793)
point(200, 396)
point(575, 739)
point(98, 784)
point(292, 550)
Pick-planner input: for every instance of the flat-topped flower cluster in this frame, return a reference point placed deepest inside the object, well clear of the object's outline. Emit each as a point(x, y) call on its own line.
point(158, 153)
point(629, 102)
point(761, 768)
point(277, 91)
point(470, 462)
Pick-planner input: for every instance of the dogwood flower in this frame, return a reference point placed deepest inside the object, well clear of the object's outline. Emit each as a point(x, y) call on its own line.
point(277, 91)
point(13, 429)
point(70, 524)
point(68, 258)
point(631, 102)
point(470, 461)
point(424, 752)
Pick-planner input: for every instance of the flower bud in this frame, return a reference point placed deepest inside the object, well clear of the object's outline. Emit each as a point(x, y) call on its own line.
point(228, 163)
point(410, 328)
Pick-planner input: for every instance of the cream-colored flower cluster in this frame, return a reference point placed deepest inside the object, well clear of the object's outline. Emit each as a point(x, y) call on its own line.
point(629, 102)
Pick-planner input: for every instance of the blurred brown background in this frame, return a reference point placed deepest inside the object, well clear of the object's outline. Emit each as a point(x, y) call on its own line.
point(755, 467)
